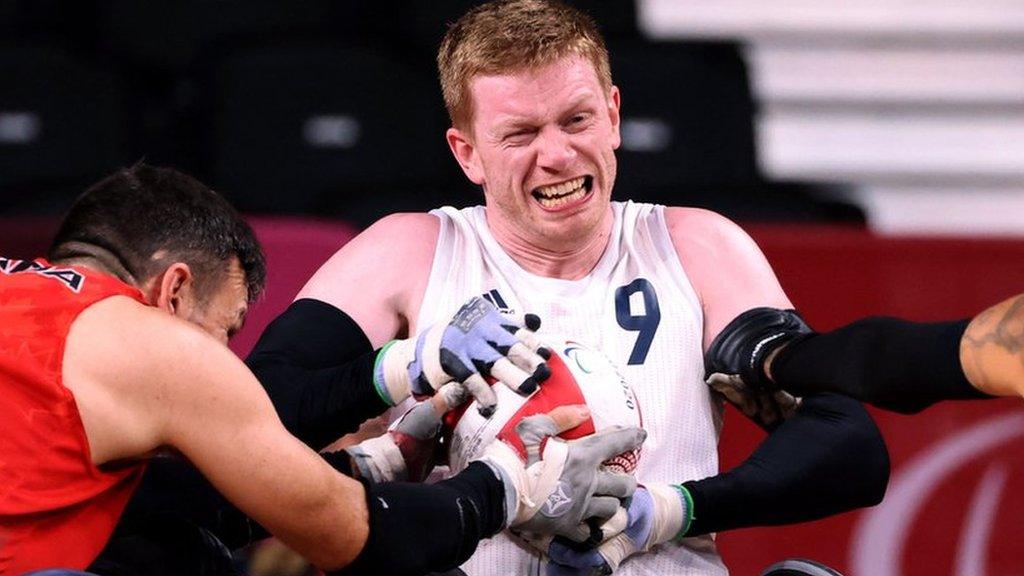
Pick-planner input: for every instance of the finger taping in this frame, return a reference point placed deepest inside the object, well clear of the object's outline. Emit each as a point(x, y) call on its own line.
point(486, 399)
point(523, 357)
point(451, 396)
point(510, 375)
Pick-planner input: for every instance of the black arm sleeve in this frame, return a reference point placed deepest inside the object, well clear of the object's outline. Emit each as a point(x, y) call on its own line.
point(891, 363)
point(316, 365)
point(828, 458)
point(418, 528)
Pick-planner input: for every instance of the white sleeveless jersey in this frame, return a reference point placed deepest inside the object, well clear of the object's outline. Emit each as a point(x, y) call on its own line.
point(639, 308)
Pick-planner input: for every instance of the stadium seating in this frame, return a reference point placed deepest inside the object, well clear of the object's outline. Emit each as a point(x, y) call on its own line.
point(62, 123)
point(294, 126)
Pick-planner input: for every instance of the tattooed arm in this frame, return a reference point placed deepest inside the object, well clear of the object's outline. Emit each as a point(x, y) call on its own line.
point(992, 349)
point(891, 363)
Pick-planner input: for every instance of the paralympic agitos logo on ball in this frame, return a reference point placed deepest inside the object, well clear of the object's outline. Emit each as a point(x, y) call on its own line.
point(579, 375)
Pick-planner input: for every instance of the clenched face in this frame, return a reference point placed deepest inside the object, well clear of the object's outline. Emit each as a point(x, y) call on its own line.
point(542, 144)
point(222, 312)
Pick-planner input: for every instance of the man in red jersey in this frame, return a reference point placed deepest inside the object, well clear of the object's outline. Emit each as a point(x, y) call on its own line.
point(112, 349)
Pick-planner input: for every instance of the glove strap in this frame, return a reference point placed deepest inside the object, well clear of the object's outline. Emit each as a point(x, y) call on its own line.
point(390, 372)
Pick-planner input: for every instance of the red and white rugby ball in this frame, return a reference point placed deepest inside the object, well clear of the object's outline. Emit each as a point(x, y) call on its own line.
point(579, 375)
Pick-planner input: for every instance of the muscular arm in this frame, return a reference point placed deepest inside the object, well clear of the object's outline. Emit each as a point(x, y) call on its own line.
point(143, 379)
point(828, 438)
point(891, 363)
point(725, 266)
point(314, 359)
point(379, 277)
point(907, 366)
point(317, 367)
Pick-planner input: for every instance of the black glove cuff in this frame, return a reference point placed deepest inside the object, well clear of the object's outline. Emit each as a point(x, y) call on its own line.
point(416, 528)
point(745, 343)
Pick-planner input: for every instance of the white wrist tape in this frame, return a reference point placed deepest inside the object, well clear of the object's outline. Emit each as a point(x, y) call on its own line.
point(391, 371)
point(533, 485)
point(670, 515)
point(379, 459)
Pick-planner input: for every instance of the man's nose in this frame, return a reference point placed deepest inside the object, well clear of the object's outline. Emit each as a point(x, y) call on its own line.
point(555, 151)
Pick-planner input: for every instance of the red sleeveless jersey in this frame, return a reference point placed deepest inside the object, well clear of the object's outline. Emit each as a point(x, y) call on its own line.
point(57, 509)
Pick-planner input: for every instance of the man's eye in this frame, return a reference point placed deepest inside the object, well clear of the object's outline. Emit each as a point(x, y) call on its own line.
point(578, 121)
point(519, 136)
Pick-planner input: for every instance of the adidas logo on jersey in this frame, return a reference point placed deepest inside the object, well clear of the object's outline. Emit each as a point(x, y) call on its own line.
point(494, 297)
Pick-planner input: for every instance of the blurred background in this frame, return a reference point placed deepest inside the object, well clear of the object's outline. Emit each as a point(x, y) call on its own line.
point(875, 150)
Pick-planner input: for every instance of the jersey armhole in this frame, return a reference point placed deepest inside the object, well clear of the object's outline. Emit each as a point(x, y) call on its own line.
point(439, 265)
point(661, 239)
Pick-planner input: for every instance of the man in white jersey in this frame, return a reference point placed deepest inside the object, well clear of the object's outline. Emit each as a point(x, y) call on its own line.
point(535, 123)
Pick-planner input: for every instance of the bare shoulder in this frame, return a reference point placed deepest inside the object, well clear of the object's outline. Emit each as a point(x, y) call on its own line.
point(120, 321)
point(138, 349)
point(698, 233)
point(392, 238)
point(405, 226)
point(128, 366)
point(728, 271)
point(378, 278)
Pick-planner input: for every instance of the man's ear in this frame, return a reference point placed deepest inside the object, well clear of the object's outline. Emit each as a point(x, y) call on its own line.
point(614, 115)
point(463, 149)
point(171, 290)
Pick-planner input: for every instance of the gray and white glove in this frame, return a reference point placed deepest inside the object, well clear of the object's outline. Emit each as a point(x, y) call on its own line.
point(406, 451)
point(561, 484)
point(477, 342)
point(657, 513)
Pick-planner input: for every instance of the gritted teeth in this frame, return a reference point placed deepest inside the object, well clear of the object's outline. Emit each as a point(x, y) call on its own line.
point(556, 190)
point(557, 194)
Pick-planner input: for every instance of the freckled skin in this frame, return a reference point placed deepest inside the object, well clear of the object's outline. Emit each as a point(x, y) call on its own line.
point(538, 128)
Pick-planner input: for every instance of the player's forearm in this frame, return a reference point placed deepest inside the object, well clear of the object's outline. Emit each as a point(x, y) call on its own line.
point(827, 459)
point(891, 363)
point(317, 367)
point(419, 528)
point(992, 349)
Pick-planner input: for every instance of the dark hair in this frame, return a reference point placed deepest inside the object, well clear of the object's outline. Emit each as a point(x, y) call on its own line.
point(139, 211)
